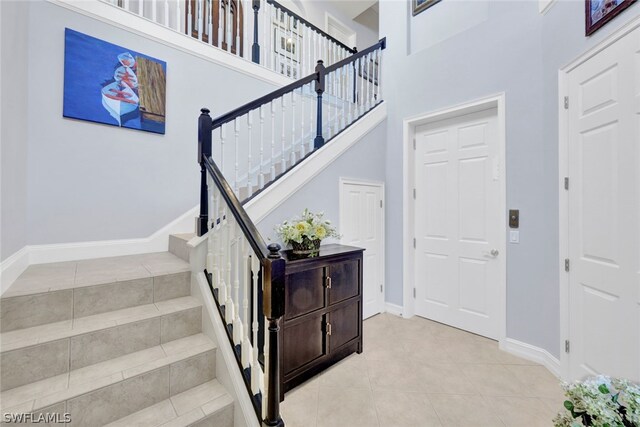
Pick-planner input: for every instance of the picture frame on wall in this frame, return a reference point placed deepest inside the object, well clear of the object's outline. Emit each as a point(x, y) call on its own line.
point(422, 5)
point(599, 12)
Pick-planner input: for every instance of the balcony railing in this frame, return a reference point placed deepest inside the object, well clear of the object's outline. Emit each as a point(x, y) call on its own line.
point(261, 31)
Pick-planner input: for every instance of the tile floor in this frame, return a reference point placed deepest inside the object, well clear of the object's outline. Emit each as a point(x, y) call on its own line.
point(415, 372)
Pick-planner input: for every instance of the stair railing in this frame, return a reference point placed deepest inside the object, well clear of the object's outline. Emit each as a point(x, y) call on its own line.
point(261, 31)
point(246, 279)
point(258, 142)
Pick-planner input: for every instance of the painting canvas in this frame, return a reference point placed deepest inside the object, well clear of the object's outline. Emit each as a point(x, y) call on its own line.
point(110, 84)
point(422, 5)
point(599, 12)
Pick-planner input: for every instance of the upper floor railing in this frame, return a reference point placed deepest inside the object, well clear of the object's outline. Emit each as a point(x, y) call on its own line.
point(262, 31)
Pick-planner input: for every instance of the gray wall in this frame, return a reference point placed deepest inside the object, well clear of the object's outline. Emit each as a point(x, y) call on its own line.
point(13, 134)
point(364, 160)
point(86, 181)
point(505, 46)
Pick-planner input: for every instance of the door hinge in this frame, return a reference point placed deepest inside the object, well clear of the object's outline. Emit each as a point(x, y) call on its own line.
point(414, 194)
point(414, 143)
point(566, 182)
point(380, 288)
point(566, 102)
point(328, 328)
point(566, 264)
point(567, 346)
point(414, 293)
point(380, 203)
point(414, 243)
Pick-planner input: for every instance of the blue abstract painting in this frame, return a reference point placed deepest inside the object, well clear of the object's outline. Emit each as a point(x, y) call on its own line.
point(110, 84)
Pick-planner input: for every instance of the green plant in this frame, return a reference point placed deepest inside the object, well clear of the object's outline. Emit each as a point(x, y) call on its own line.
point(309, 227)
point(600, 401)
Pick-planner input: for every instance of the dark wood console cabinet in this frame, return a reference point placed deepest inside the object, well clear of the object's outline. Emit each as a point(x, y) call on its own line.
point(322, 323)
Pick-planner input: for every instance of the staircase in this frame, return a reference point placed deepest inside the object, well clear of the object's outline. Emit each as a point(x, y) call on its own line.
point(112, 341)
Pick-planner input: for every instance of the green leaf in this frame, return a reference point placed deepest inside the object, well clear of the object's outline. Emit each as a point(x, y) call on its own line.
point(569, 405)
point(603, 389)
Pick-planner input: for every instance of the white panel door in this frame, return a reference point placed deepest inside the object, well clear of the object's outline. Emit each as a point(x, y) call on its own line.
point(361, 225)
point(458, 222)
point(604, 212)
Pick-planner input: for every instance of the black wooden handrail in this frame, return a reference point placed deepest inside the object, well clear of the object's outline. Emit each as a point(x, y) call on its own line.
point(242, 218)
point(257, 103)
point(313, 27)
point(382, 44)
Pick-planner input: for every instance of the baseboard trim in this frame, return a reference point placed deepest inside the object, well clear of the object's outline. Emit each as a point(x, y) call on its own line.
point(394, 309)
point(532, 353)
point(15, 265)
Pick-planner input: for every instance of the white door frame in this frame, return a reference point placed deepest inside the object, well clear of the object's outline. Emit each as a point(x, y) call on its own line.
point(563, 164)
point(408, 206)
point(379, 184)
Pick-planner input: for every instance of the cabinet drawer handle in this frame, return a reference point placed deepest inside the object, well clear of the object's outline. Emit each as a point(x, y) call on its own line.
point(328, 328)
point(328, 282)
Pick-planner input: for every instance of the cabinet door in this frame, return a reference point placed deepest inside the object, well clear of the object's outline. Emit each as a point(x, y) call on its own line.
point(345, 325)
point(304, 292)
point(304, 342)
point(345, 280)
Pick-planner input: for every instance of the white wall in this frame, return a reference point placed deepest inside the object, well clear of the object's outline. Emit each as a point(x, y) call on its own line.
point(503, 46)
point(86, 181)
point(13, 134)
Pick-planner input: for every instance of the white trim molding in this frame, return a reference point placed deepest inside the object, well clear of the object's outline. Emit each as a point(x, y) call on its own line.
point(545, 5)
point(497, 101)
point(274, 195)
point(532, 353)
point(394, 309)
point(15, 265)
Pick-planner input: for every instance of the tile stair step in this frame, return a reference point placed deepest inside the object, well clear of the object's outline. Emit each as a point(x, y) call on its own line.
point(33, 354)
point(206, 404)
point(124, 385)
point(178, 245)
point(49, 293)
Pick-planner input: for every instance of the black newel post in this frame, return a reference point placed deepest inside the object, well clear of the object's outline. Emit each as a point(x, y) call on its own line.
point(319, 141)
point(255, 49)
point(274, 311)
point(204, 150)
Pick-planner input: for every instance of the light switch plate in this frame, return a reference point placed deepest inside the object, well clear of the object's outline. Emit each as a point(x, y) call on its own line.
point(514, 236)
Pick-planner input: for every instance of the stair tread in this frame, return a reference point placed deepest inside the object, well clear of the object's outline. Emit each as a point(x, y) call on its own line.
point(27, 337)
point(43, 278)
point(182, 409)
point(56, 389)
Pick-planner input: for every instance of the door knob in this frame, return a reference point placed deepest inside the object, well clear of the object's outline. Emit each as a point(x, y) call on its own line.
point(494, 252)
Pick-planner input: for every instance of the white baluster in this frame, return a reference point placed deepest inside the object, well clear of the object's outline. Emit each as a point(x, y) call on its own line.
point(236, 133)
point(366, 72)
point(292, 155)
point(283, 164)
point(266, 364)
point(237, 322)
point(200, 19)
point(350, 90)
point(246, 286)
point(126, 5)
point(154, 10)
point(260, 171)
point(327, 96)
point(238, 51)
point(380, 98)
point(229, 20)
point(376, 88)
point(223, 296)
point(275, 38)
point(345, 75)
point(209, 22)
point(312, 118)
point(221, 21)
point(309, 62)
point(141, 7)
point(255, 365)
point(228, 306)
point(266, 29)
point(249, 157)
point(178, 17)
point(166, 13)
point(212, 256)
point(298, 33)
point(302, 102)
point(222, 141)
point(361, 91)
point(189, 19)
point(273, 141)
point(210, 238)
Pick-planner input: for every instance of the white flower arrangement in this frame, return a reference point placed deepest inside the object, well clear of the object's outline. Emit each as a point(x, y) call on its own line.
point(306, 231)
point(600, 401)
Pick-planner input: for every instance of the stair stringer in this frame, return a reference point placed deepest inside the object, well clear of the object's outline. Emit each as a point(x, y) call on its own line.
point(280, 190)
point(227, 372)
